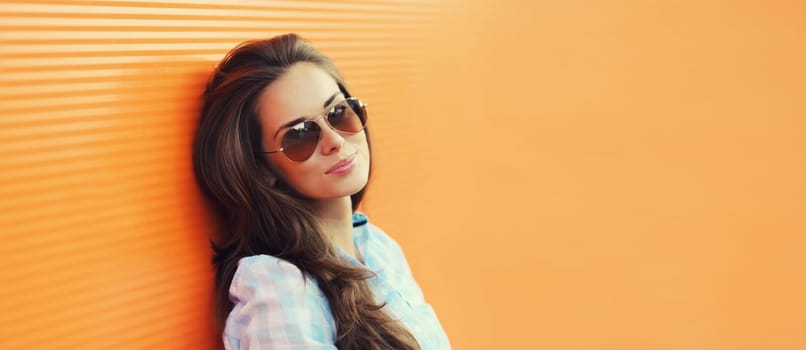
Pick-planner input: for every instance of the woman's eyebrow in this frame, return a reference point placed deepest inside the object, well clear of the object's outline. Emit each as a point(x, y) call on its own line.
point(301, 119)
point(289, 124)
point(330, 99)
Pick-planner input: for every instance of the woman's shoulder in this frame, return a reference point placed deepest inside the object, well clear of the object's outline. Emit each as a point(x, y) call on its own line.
point(259, 259)
point(265, 271)
point(275, 304)
point(266, 262)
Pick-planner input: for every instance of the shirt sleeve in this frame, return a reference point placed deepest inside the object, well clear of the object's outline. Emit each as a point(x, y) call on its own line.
point(276, 307)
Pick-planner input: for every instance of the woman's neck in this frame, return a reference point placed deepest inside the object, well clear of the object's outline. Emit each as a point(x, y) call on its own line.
point(335, 217)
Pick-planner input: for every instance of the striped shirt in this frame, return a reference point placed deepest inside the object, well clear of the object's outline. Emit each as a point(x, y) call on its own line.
point(277, 307)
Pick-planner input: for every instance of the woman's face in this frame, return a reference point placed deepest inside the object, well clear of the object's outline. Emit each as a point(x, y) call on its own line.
point(306, 91)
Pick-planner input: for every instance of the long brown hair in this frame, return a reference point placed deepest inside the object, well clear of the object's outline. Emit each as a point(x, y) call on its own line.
point(258, 217)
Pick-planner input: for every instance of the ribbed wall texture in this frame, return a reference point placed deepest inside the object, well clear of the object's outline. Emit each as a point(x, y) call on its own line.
point(104, 241)
point(562, 174)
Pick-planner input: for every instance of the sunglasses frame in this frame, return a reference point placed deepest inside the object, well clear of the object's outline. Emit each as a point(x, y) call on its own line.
point(316, 119)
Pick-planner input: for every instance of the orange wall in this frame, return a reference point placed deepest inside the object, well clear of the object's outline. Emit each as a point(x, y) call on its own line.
point(561, 174)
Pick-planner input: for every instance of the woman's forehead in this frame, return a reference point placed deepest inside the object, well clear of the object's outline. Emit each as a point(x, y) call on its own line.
point(301, 91)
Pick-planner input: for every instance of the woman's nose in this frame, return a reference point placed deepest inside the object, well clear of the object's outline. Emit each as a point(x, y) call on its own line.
point(331, 140)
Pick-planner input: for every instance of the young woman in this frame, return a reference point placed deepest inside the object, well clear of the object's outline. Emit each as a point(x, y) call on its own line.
point(282, 152)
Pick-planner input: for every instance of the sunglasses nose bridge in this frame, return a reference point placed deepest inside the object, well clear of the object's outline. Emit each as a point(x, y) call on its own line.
point(321, 123)
point(326, 122)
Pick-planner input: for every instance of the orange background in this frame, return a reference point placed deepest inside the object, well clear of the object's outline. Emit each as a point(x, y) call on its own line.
point(561, 174)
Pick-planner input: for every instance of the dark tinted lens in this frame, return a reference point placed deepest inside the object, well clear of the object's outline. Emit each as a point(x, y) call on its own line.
point(347, 116)
point(300, 141)
point(360, 110)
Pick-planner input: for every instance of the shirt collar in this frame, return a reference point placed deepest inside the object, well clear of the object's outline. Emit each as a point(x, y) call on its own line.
point(359, 219)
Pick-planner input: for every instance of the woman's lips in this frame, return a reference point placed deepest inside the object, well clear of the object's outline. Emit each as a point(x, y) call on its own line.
point(343, 166)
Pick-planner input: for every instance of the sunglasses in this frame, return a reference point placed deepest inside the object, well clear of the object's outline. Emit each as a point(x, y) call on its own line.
point(298, 142)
